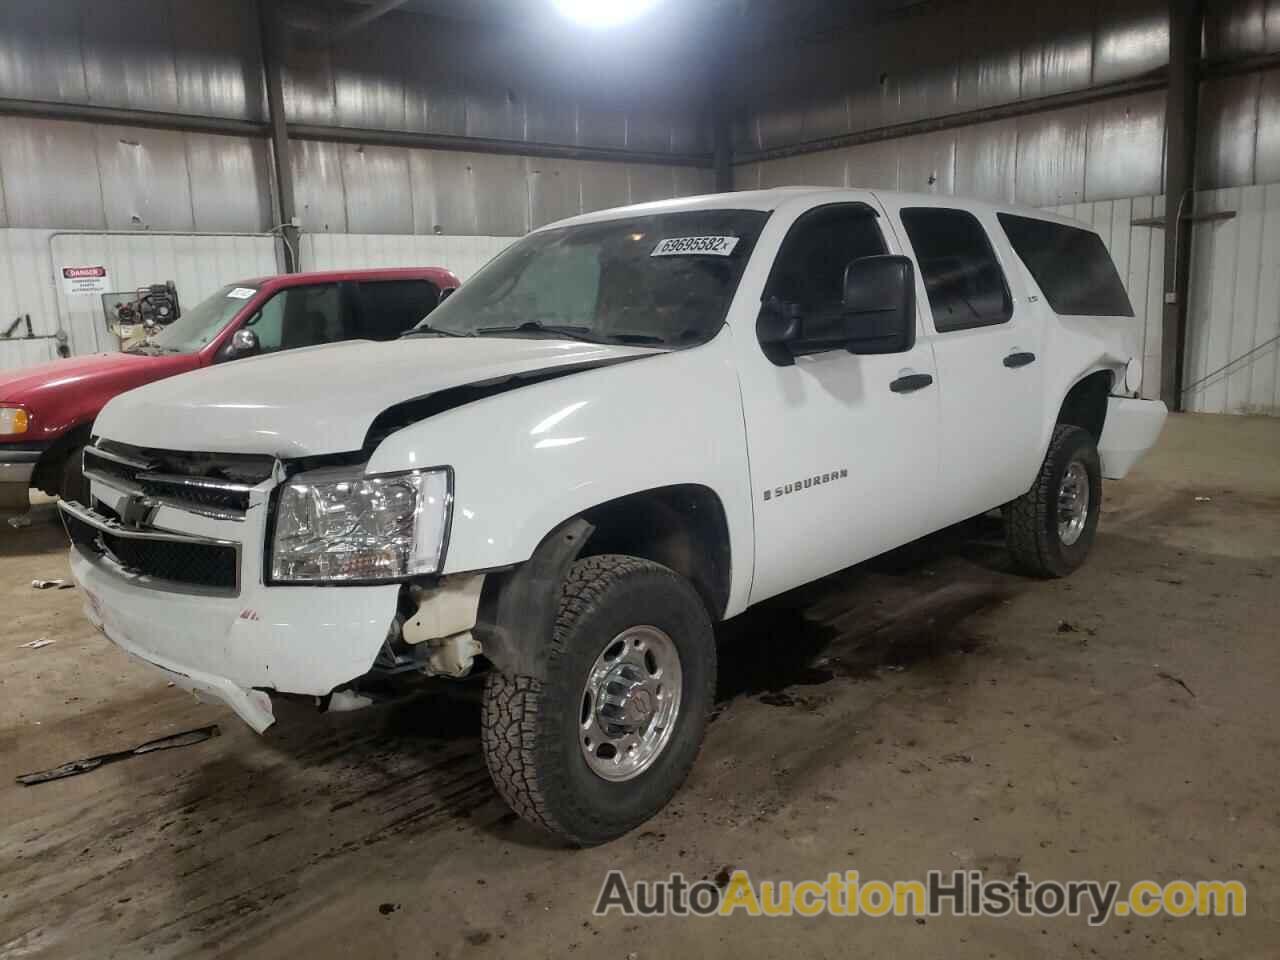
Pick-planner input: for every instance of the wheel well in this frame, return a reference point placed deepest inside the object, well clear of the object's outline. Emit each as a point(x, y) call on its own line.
point(48, 473)
point(1085, 405)
point(681, 527)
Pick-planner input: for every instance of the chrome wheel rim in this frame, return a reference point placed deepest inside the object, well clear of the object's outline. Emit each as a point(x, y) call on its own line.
point(1073, 503)
point(630, 703)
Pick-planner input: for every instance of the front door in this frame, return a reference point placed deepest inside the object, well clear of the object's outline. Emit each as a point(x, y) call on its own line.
point(842, 447)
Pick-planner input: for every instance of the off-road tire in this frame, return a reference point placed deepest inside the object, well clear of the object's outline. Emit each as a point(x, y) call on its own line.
point(530, 728)
point(73, 485)
point(1031, 521)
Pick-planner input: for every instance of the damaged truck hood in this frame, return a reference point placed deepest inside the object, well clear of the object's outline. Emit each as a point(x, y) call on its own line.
point(322, 400)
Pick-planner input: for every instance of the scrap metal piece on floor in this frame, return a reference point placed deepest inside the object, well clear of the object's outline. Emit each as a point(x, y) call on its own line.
point(60, 584)
point(77, 767)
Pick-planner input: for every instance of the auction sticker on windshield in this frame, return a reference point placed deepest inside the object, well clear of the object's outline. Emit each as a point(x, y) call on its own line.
point(240, 293)
point(695, 246)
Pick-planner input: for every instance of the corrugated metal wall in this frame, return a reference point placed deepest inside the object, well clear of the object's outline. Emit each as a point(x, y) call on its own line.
point(463, 255)
point(30, 262)
point(953, 57)
point(348, 188)
point(1233, 354)
point(402, 73)
point(998, 54)
point(87, 176)
point(1101, 151)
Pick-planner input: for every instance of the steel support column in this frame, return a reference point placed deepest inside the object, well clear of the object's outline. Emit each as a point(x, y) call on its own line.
point(1186, 19)
point(272, 38)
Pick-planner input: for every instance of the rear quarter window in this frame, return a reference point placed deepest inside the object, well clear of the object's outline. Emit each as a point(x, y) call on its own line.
point(1071, 266)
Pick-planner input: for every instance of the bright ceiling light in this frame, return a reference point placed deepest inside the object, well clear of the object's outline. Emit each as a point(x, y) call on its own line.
point(604, 13)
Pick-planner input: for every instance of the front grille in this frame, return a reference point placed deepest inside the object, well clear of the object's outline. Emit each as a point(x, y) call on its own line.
point(212, 565)
point(208, 484)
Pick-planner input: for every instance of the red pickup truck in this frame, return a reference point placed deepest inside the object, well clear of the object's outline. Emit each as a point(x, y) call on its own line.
point(47, 412)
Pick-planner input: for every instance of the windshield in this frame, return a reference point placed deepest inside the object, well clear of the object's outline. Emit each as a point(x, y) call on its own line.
point(665, 279)
point(199, 324)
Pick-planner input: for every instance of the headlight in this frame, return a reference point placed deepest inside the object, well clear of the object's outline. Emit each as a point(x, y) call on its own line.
point(13, 421)
point(354, 528)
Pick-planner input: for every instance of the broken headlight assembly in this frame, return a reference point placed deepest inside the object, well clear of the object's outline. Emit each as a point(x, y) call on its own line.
point(335, 527)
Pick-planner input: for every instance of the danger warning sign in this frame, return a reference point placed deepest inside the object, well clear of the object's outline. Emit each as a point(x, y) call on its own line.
point(85, 280)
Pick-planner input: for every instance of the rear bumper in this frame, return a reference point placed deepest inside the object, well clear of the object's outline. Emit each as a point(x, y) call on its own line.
point(303, 640)
point(1131, 429)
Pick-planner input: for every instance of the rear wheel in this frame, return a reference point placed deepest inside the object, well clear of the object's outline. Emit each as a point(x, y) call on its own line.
point(1050, 528)
point(603, 743)
point(74, 485)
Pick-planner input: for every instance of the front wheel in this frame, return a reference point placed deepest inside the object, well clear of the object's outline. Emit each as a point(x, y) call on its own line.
point(73, 484)
point(1050, 528)
point(603, 743)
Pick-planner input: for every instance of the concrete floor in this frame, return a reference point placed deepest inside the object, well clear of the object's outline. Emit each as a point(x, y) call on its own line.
point(924, 711)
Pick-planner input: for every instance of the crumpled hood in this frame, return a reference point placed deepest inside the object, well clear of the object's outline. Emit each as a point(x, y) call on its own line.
point(323, 399)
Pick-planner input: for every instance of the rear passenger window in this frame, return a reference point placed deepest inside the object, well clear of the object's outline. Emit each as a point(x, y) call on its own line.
point(1071, 266)
point(964, 281)
point(390, 307)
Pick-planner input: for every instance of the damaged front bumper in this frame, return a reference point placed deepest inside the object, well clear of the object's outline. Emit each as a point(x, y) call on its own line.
point(235, 645)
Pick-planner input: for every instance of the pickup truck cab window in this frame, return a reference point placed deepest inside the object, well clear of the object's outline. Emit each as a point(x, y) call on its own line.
point(387, 308)
point(961, 274)
point(664, 279)
point(302, 317)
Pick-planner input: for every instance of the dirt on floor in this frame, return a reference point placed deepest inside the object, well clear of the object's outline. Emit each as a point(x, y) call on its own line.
point(926, 711)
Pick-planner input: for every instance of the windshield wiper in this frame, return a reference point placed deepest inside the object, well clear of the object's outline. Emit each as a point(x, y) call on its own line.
point(149, 349)
point(426, 331)
point(537, 326)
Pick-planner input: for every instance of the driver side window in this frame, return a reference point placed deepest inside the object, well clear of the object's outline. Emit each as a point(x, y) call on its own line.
point(301, 317)
point(809, 271)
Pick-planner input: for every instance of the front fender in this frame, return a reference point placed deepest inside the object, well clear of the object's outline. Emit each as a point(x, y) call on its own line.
point(529, 459)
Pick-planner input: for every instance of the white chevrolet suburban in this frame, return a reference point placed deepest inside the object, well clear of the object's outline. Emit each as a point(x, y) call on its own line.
point(628, 426)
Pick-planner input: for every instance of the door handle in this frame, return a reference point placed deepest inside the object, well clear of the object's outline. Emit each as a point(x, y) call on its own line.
point(1019, 359)
point(911, 383)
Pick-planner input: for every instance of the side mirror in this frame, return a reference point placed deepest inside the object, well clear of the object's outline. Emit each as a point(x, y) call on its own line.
point(876, 315)
point(244, 343)
point(880, 304)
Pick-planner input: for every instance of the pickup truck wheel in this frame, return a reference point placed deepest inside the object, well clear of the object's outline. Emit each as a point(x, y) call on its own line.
point(74, 486)
point(1050, 528)
point(605, 741)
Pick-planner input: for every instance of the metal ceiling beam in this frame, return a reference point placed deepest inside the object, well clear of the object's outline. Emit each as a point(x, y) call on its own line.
point(88, 113)
point(521, 148)
point(152, 119)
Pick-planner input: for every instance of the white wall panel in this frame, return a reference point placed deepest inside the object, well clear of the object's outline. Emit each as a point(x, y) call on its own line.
point(1231, 366)
point(26, 287)
point(348, 251)
point(197, 263)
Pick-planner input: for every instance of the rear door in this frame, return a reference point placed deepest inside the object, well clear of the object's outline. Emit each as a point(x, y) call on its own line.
point(986, 343)
point(387, 308)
